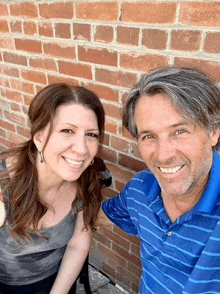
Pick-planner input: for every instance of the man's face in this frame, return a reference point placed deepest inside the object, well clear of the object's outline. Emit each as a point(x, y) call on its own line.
point(178, 152)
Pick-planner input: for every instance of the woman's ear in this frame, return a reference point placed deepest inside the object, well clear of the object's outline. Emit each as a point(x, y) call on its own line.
point(39, 140)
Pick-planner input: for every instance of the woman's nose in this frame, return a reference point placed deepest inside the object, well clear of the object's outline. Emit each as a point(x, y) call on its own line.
point(79, 144)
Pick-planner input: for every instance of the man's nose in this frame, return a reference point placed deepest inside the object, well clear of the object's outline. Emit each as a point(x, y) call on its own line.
point(165, 150)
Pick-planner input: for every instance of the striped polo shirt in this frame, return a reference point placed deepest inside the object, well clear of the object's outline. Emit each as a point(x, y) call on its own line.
point(179, 257)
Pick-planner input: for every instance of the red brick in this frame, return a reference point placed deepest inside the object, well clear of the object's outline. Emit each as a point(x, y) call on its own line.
point(44, 63)
point(9, 70)
point(18, 119)
point(200, 13)
point(155, 38)
point(27, 101)
point(16, 26)
point(105, 10)
point(110, 125)
point(34, 76)
point(24, 132)
point(120, 232)
point(135, 150)
point(15, 107)
point(187, 40)
point(28, 45)
point(114, 237)
point(127, 278)
point(142, 61)
point(56, 10)
point(59, 78)
point(103, 92)
point(128, 256)
point(45, 29)
point(119, 144)
point(30, 27)
point(210, 67)
point(5, 143)
point(117, 78)
point(130, 162)
point(14, 138)
point(112, 110)
point(12, 95)
point(62, 30)
point(124, 132)
point(212, 42)
point(4, 82)
point(110, 254)
point(60, 49)
point(119, 185)
point(82, 31)
point(6, 42)
point(135, 249)
point(25, 9)
point(4, 26)
point(2, 133)
point(149, 12)
point(22, 86)
point(3, 9)
point(97, 55)
point(104, 34)
point(102, 239)
point(15, 58)
point(106, 139)
point(6, 125)
point(75, 69)
point(127, 35)
point(120, 172)
point(108, 154)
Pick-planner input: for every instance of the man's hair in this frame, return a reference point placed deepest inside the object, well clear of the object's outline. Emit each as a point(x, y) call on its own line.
point(195, 95)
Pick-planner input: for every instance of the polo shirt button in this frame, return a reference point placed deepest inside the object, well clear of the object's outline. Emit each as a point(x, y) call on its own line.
point(169, 234)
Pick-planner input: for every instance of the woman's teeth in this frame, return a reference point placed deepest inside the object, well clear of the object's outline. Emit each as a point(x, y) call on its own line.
point(73, 162)
point(170, 170)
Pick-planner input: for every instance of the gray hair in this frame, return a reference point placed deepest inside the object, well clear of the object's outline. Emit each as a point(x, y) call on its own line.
point(194, 94)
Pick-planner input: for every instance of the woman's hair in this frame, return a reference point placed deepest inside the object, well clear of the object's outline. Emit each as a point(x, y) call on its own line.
point(194, 94)
point(24, 206)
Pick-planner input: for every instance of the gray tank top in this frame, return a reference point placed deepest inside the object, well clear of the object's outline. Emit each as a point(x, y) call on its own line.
point(31, 262)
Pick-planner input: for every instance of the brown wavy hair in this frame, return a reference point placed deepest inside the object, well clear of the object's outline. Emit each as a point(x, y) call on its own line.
point(24, 206)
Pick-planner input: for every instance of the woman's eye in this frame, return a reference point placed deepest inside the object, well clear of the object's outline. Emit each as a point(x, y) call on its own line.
point(68, 131)
point(93, 135)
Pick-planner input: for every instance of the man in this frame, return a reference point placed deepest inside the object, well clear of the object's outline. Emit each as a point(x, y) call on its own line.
point(173, 206)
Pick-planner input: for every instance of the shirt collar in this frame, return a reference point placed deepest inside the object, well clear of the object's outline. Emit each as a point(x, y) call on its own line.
point(211, 193)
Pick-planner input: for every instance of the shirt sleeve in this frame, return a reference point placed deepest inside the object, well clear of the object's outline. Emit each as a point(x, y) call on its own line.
point(117, 211)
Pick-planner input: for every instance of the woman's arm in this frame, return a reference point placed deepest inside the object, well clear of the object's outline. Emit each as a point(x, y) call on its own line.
point(76, 252)
point(2, 210)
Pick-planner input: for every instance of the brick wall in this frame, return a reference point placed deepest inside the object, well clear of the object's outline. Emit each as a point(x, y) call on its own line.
point(105, 46)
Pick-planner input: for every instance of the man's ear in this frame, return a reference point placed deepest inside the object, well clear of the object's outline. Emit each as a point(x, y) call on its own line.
point(215, 136)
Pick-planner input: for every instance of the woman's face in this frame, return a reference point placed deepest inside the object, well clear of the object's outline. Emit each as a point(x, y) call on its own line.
point(72, 145)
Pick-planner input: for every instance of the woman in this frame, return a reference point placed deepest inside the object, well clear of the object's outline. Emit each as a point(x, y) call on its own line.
point(51, 188)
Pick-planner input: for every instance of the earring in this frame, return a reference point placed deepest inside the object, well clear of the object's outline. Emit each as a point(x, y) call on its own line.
point(91, 163)
point(41, 156)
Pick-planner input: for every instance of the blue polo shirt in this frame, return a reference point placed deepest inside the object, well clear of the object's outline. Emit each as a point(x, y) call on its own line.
point(179, 257)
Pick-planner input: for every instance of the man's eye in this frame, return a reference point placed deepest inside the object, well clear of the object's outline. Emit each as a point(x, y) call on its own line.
point(179, 132)
point(147, 137)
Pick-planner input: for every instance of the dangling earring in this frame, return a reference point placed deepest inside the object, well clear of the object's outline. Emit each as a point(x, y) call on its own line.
point(91, 163)
point(41, 156)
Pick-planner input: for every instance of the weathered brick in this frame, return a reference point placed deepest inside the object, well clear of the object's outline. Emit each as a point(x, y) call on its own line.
point(15, 107)
point(16, 26)
point(131, 238)
point(155, 38)
point(127, 255)
point(106, 10)
point(75, 69)
point(24, 9)
point(6, 42)
point(62, 30)
point(103, 92)
point(56, 10)
point(9, 70)
point(117, 78)
point(212, 42)
point(128, 35)
point(58, 79)
point(11, 95)
point(97, 55)
point(4, 26)
point(5, 143)
point(112, 110)
point(60, 49)
point(44, 63)
point(45, 29)
point(34, 76)
point(142, 61)
point(30, 27)
point(24, 132)
point(81, 31)
point(22, 86)
point(15, 58)
point(102, 239)
point(187, 40)
point(208, 66)
point(120, 172)
point(6, 125)
point(104, 34)
point(4, 82)
point(119, 185)
point(15, 118)
point(14, 138)
point(3, 9)
point(149, 12)
point(200, 13)
point(130, 162)
point(28, 45)
point(108, 154)
point(109, 253)
point(135, 151)
point(119, 144)
point(114, 237)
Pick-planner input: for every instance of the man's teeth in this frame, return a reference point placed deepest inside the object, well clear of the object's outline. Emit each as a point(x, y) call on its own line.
point(171, 170)
point(70, 161)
